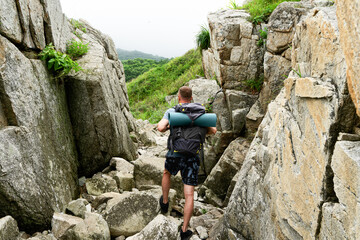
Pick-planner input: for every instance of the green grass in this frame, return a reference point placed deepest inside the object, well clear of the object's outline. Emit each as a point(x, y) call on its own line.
point(203, 38)
point(148, 91)
point(260, 10)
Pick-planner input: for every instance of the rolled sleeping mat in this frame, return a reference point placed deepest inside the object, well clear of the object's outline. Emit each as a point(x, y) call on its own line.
point(181, 119)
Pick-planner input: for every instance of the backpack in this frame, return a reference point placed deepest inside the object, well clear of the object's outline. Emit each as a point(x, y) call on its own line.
point(188, 140)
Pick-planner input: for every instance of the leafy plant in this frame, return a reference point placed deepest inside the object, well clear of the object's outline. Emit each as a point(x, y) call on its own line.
point(203, 38)
point(203, 211)
point(260, 10)
point(254, 84)
point(233, 5)
point(76, 49)
point(57, 62)
point(263, 37)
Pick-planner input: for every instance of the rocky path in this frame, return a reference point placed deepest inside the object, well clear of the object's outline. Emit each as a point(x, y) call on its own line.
point(121, 202)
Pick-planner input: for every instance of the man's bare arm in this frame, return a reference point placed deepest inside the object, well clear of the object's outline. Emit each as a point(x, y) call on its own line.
point(211, 130)
point(163, 125)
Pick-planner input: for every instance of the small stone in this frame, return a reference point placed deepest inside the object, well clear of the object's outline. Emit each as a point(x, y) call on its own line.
point(202, 232)
point(77, 207)
point(348, 137)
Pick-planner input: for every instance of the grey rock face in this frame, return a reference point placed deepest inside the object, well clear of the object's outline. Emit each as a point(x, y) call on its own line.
point(229, 164)
point(159, 228)
point(92, 227)
point(98, 102)
point(10, 24)
point(38, 157)
point(203, 90)
point(284, 178)
point(77, 207)
point(340, 219)
point(128, 213)
point(234, 56)
point(8, 228)
point(99, 184)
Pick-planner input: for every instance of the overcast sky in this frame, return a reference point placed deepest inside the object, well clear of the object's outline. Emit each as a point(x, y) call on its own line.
point(161, 27)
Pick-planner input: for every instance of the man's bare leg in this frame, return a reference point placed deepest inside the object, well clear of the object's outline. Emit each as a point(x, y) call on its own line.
point(165, 184)
point(189, 205)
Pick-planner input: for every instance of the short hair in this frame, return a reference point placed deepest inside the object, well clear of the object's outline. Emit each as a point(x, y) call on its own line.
point(185, 92)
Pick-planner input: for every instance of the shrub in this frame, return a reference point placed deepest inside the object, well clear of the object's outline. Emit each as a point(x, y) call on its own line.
point(57, 62)
point(76, 49)
point(254, 84)
point(260, 10)
point(203, 38)
point(263, 37)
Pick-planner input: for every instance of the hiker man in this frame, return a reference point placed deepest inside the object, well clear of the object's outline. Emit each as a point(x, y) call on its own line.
point(187, 164)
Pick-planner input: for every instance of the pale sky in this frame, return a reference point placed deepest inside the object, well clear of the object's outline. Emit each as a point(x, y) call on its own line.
point(161, 27)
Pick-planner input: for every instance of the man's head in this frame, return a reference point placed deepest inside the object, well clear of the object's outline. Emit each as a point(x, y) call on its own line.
point(185, 94)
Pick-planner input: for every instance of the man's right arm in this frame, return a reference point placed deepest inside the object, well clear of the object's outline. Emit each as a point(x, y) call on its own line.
point(163, 125)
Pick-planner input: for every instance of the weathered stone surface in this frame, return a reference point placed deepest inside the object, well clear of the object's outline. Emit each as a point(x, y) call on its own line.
point(146, 132)
point(92, 227)
point(159, 228)
point(8, 228)
point(311, 88)
point(61, 223)
point(128, 213)
point(234, 55)
point(31, 14)
point(347, 13)
point(149, 171)
point(238, 119)
point(98, 185)
point(10, 24)
point(77, 207)
point(38, 157)
point(98, 102)
point(342, 218)
point(202, 232)
point(292, 145)
point(229, 164)
point(124, 174)
point(57, 29)
point(203, 90)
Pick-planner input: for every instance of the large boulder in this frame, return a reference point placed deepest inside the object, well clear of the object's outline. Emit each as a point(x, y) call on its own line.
point(128, 213)
point(234, 55)
point(8, 228)
point(93, 226)
point(287, 175)
point(347, 12)
point(203, 90)
point(10, 26)
point(228, 165)
point(341, 219)
point(160, 228)
point(38, 160)
point(98, 105)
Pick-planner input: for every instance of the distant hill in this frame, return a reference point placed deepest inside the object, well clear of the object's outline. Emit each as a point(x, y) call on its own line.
point(126, 55)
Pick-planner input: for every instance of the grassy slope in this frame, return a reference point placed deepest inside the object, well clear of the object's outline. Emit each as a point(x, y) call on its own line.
point(147, 92)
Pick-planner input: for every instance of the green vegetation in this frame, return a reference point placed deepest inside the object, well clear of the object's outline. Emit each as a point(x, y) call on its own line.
point(255, 84)
point(57, 62)
point(147, 92)
point(76, 49)
point(126, 55)
point(259, 10)
point(263, 37)
point(297, 72)
point(77, 25)
point(203, 38)
point(135, 67)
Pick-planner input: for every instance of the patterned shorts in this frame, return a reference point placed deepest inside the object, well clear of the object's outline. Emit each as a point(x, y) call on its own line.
point(188, 167)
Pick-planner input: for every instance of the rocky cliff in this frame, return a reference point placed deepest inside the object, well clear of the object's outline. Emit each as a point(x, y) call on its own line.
point(50, 131)
point(300, 175)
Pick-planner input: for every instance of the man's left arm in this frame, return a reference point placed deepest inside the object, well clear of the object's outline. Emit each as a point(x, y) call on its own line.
point(163, 125)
